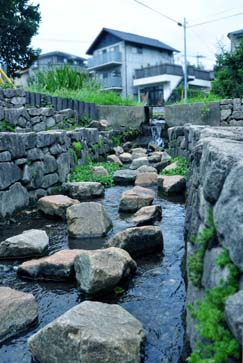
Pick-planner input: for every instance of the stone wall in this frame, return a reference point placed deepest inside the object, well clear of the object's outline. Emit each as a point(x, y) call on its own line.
point(215, 183)
point(32, 164)
point(227, 112)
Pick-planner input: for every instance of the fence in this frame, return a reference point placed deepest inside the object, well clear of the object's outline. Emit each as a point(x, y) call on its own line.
point(83, 109)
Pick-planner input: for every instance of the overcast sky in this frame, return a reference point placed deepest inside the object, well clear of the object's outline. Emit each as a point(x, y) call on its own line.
point(72, 25)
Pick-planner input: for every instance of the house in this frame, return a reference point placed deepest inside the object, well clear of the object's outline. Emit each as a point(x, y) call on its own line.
point(137, 66)
point(235, 38)
point(47, 61)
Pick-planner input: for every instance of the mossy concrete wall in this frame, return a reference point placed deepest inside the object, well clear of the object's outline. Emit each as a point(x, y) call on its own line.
point(122, 117)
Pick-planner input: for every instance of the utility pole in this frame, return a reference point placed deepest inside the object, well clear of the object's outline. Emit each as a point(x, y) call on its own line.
point(185, 62)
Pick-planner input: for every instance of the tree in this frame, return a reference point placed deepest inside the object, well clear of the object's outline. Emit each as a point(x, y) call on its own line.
point(228, 80)
point(19, 21)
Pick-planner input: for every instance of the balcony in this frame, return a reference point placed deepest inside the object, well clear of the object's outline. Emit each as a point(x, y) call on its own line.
point(111, 82)
point(199, 74)
point(172, 69)
point(104, 60)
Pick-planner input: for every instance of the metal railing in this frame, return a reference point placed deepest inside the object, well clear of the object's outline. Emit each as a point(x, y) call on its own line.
point(173, 69)
point(110, 82)
point(105, 58)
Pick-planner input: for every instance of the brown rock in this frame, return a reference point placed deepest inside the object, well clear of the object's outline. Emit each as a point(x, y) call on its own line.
point(171, 184)
point(56, 205)
point(136, 198)
point(146, 179)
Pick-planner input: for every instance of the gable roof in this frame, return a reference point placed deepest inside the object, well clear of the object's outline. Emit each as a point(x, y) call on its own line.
point(62, 54)
point(131, 38)
point(237, 32)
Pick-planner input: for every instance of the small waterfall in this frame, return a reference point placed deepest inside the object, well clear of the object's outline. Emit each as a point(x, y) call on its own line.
point(156, 129)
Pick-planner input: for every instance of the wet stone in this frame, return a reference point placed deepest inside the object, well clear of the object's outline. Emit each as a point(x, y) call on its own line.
point(56, 205)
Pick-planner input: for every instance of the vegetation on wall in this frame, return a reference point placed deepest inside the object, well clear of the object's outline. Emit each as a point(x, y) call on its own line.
point(219, 345)
point(181, 167)
point(68, 83)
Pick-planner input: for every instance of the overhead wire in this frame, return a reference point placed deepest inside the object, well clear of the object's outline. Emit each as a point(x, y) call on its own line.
point(156, 11)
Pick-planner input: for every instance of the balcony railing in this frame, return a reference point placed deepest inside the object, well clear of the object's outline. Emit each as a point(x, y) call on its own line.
point(157, 70)
point(173, 69)
point(110, 82)
point(105, 59)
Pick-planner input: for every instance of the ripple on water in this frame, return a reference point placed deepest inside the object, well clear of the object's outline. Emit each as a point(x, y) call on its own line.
point(155, 295)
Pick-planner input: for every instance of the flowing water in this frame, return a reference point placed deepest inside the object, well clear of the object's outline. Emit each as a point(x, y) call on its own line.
point(156, 130)
point(155, 295)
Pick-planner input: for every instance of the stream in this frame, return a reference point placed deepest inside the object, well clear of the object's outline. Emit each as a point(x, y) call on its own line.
point(155, 295)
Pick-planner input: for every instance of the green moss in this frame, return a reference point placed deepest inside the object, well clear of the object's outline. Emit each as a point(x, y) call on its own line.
point(84, 173)
point(219, 344)
point(6, 127)
point(181, 168)
point(77, 146)
point(196, 260)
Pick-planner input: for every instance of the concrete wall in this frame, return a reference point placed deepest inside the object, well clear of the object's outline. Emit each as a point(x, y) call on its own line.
point(214, 183)
point(120, 117)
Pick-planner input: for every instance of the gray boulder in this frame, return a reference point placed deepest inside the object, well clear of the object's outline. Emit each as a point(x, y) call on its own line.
point(136, 163)
point(147, 215)
point(56, 205)
point(33, 242)
point(101, 270)
point(146, 179)
point(124, 177)
point(16, 197)
point(9, 174)
point(90, 332)
point(114, 159)
point(146, 169)
point(88, 220)
point(136, 198)
point(99, 171)
point(138, 240)
point(57, 267)
point(213, 274)
point(84, 190)
point(234, 314)
point(18, 310)
point(126, 158)
point(155, 157)
point(171, 184)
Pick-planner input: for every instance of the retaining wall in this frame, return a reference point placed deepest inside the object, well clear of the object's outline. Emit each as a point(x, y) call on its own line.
point(34, 164)
point(215, 183)
point(221, 113)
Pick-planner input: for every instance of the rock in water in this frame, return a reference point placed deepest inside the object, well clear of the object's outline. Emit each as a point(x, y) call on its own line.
point(56, 205)
point(84, 190)
point(136, 198)
point(147, 215)
point(33, 242)
point(57, 267)
point(124, 177)
point(146, 179)
point(91, 332)
point(88, 220)
point(172, 184)
point(18, 310)
point(101, 270)
point(138, 240)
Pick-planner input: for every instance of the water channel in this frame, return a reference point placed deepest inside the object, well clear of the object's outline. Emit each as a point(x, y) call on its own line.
point(155, 295)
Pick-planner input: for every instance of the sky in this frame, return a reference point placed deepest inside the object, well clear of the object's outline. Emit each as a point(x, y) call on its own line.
point(72, 25)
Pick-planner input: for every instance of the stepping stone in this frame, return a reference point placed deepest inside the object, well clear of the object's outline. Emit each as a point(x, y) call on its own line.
point(57, 267)
point(136, 198)
point(18, 310)
point(139, 162)
point(88, 220)
point(171, 184)
point(33, 242)
point(138, 150)
point(99, 171)
point(147, 215)
point(126, 158)
point(138, 240)
point(155, 157)
point(114, 159)
point(89, 332)
point(146, 179)
point(125, 177)
point(146, 169)
point(101, 270)
point(84, 190)
point(56, 205)
point(172, 166)
point(138, 155)
point(118, 150)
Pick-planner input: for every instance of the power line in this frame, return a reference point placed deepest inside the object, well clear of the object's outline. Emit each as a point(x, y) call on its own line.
point(214, 20)
point(219, 12)
point(157, 12)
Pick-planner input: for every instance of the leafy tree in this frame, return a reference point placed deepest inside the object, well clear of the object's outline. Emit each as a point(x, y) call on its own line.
point(228, 80)
point(19, 21)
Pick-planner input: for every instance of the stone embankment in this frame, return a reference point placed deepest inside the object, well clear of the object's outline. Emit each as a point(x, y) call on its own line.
point(213, 224)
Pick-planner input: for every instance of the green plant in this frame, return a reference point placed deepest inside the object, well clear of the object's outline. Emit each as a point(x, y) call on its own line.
point(116, 140)
point(84, 172)
point(196, 260)
point(181, 167)
point(77, 146)
point(219, 344)
point(5, 126)
point(205, 110)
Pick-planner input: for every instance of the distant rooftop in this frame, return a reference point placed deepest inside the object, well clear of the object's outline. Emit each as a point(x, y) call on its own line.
point(131, 38)
point(62, 54)
point(237, 32)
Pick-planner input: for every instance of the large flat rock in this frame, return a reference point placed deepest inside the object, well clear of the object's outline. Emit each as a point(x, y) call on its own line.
point(88, 220)
point(56, 205)
point(33, 242)
point(136, 198)
point(84, 190)
point(57, 267)
point(18, 310)
point(146, 179)
point(147, 215)
point(171, 184)
point(101, 270)
point(124, 177)
point(90, 332)
point(138, 240)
